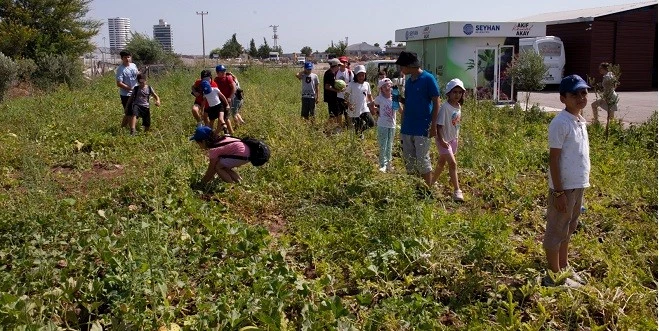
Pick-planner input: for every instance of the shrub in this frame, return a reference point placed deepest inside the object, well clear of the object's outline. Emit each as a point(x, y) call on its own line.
point(527, 70)
point(8, 72)
point(54, 70)
point(26, 68)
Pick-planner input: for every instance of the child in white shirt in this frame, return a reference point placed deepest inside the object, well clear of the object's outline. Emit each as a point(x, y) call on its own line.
point(359, 101)
point(386, 124)
point(217, 103)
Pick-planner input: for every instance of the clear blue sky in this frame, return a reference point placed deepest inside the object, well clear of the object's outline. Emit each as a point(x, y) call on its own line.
point(310, 23)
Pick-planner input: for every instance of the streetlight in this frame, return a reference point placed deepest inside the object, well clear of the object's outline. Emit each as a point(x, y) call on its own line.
point(203, 40)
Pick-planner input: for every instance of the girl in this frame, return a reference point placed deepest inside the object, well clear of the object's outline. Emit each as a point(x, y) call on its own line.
point(386, 123)
point(360, 101)
point(217, 103)
point(220, 149)
point(448, 128)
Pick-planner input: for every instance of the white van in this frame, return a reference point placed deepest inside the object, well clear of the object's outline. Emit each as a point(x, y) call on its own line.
point(552, 50)
point(273, 57)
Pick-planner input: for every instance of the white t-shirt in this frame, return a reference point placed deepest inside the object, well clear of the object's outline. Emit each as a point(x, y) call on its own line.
point(345, 75)
point(569, 133)
point(213, 98)
point(387, 117)
point(449, 118)
point(358, 98)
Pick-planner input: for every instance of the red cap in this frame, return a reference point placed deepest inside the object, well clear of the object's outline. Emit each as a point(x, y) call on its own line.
point(344, 59)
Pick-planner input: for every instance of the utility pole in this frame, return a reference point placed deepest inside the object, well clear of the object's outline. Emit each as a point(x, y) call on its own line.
point(346, 41)
point(275, 36)
point(203, 39)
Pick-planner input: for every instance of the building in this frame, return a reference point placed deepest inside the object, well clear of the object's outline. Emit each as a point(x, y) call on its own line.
point(624, 34)
point(478, 53)
point(119, 33)
point(163, 34)
point(362, 49)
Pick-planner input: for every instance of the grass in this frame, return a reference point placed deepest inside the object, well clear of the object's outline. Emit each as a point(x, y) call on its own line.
point(101, 229)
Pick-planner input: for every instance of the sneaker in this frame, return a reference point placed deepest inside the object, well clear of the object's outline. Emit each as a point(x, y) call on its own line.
point(547, 281)
point(576, 277)
point(571, 283)
point(457, 196)
point(390, 167)
point(383, 169)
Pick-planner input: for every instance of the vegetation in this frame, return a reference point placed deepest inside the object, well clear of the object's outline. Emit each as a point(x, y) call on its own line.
point(98, 228)
point(527, 70)
point(230, 49)
point(339, 49)
point(31, 29)
point(306, 50)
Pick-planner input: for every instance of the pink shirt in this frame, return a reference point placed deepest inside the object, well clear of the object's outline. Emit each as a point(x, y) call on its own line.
point(237, 148)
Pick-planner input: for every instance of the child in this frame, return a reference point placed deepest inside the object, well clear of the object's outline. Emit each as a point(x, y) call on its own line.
point(359, 101)
point(236, 100)
point(310, 84)
point(448, 128)
point(138, 102)
point(217, 103)
point(200, 103)
point(386, 124)
point(609, 100)
point(220, 148)
point(569, 171)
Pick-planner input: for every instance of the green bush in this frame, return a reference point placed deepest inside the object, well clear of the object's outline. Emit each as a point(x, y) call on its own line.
point(8, 71)
point(26, 68)
point(54, 70)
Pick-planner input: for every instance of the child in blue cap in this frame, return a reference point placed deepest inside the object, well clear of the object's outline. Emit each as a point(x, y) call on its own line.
point(310, 84)
point(569, 172)
point(217, 103)
point(224, 154)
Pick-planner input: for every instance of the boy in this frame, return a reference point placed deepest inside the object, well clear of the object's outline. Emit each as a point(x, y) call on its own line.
point(126, 79)
point(569, 170)
point(200, 103)
point(310, 84)
point(138, 102)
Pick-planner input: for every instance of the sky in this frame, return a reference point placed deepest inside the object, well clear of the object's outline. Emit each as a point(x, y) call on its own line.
point(310, 23)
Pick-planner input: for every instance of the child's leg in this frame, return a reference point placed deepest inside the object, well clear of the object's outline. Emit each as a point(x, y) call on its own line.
point(440, 167)
point(453, 171)
point(211, 123)
point(133, 122)
point(196, 113)
point(389, 146)
point(382, 142)
point(234, 175)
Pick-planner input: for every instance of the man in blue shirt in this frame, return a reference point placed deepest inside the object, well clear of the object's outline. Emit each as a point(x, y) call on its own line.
point(419, 118)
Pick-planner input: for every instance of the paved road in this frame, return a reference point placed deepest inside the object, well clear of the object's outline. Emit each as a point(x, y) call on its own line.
point(633, 107)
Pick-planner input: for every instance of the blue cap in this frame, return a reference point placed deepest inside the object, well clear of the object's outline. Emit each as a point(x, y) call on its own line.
point(572, 83)
point(308, 65)
point(220, 68)
point(206, 86)
point(202, 133)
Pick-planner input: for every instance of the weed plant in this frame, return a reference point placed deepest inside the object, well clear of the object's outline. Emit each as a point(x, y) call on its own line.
point(102, 229)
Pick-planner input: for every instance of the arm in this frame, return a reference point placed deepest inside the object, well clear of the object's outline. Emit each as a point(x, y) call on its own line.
point(210, 172)
point(298, 75)
point(123, 86)
point(435, 111)
point(226, 106)
point(317, 92)
point(194, 91)
point(555, 169)
point(155, 96)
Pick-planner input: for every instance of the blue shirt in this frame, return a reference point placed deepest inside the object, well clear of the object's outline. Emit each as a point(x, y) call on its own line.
point(127, 75)
point(418, 104)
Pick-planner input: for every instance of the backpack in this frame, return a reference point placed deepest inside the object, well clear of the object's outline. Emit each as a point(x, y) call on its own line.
point(259, 152)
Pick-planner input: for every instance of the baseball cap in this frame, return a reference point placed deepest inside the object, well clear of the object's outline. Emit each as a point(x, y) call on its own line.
point(572, 83)
point(308, 65)
point(453, 83)
point(359, 68)
point(334, 62)
point(220, 68)
point(408, 59)
point(344, 59)
point(205, 74)
point(383, 82)
point(206, 86)
point(201, 133)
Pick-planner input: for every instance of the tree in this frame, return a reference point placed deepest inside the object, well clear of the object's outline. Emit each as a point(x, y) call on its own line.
point(527, 70)
point(231, 48)
point(306, 50)
point(338, 49)
point(389, 43)
point(400, 45)
point(253, 52)
point(264, 50)
point(144, 50)
point(376, 45)
point(32, 28)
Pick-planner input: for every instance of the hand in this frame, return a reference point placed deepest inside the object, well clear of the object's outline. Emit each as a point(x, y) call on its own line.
point(443, 143)
point(433, 131)
point(561, 203)
point(158, 103)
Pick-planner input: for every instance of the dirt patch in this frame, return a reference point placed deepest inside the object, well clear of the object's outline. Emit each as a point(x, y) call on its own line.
point(103, 171)
point(71, 179)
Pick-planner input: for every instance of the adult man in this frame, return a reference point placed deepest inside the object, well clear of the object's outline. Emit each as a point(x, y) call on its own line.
point(330, 95)
point(228, 88)
point(126, 79)
point(419, 119)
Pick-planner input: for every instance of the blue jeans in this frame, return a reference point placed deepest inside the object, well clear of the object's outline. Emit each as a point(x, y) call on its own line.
point(386, 142)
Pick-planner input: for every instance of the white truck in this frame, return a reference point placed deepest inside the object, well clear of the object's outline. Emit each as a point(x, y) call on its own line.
point(273, 57)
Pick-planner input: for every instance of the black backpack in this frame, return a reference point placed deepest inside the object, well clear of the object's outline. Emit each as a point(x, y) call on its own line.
point(259, 152)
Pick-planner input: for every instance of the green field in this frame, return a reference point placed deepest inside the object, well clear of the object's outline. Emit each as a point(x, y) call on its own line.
point(101, 229)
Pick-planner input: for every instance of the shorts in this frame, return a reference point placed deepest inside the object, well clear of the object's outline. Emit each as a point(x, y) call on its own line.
point(308, 107)
point(363, 122)
point(343, 107)
point(214, 112)
point(333, 108)
point(124, 102)
point(452, 147)
point(144, 113)
point(561, 225)
point(228, 163)
point(416, 154)
point(235, 107)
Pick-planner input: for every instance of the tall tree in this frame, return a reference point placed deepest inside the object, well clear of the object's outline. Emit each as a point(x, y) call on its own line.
point(306, 50)
point(144, 50)
point(31, 28)
point(253, 52)
point(338, 49)
point(231, 48)
point(264, 50)
point(389, 43)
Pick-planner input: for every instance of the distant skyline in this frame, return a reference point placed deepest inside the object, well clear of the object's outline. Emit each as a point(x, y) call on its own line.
point(312, 24)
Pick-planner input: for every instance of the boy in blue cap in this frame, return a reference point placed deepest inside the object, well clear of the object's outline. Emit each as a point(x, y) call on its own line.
point(569, 171)
point(310, 84)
